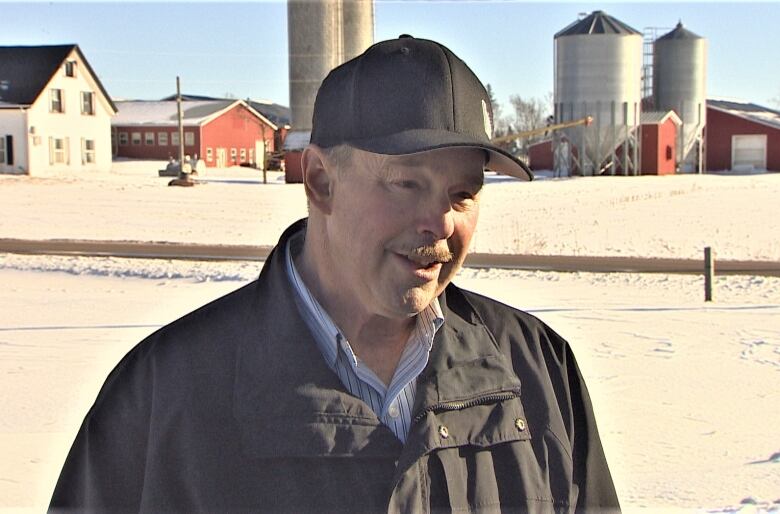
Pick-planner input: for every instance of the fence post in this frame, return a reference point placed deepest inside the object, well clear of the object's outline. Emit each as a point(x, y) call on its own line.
point(709, 273)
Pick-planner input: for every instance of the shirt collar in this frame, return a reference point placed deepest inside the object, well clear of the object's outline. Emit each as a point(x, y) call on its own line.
point(326, 332)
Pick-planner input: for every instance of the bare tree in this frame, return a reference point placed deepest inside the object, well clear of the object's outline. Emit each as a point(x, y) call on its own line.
point(528, 114)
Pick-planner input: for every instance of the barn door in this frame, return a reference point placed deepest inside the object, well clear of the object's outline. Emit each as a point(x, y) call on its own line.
point(221, 157)
point(748, 152)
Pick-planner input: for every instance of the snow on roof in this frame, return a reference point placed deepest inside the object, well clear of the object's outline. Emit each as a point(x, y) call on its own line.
point(141, 112)
point(746, 110)
point(297, 140)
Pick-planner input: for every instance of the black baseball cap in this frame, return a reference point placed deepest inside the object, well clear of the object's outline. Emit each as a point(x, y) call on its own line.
point(405, 96)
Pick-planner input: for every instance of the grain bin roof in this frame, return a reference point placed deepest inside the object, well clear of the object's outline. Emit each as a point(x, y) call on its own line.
point(679, 32)
point(597, 22)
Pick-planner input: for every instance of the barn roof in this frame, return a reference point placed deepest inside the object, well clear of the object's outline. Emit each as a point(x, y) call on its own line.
point(597, 22)
point(746, 110)
point(277, 113)
point(165, 112)
point(25, 71)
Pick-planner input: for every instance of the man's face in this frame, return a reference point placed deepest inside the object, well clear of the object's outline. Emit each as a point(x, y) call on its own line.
point(400, 226)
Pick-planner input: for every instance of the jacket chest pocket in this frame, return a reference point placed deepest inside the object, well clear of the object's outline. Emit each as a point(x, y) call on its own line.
point(500, 467)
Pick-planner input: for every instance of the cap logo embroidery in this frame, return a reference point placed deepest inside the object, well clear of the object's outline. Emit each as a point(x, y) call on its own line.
point(486, 120)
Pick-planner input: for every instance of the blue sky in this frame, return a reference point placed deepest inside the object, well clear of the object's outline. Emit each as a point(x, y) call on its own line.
point(137, 49)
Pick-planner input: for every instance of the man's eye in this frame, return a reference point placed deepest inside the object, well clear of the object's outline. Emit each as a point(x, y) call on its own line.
point(407, 184)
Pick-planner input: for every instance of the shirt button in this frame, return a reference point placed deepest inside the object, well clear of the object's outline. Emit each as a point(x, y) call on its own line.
point(393, 411)
point(520, 424)
point(444, 432)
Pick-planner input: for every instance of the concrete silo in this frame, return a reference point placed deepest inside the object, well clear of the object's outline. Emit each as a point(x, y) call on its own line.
point(679, 84)
point(598, 65)
point(321, 35)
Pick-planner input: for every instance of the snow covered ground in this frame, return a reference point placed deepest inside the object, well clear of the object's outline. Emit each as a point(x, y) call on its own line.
point(671, 216)
point(686, 392)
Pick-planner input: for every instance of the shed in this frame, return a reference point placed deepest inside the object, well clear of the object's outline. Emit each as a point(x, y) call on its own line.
point(540, 155)
point(742, 136)
point(294, 144)
point(659, 136)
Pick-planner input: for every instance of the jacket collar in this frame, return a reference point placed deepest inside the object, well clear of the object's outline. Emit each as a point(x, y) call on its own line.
point(289, 402)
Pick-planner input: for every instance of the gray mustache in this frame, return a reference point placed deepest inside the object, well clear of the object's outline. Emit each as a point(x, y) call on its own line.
point(432, 252)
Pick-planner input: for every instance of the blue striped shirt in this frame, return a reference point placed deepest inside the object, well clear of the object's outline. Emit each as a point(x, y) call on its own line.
point(393, 403)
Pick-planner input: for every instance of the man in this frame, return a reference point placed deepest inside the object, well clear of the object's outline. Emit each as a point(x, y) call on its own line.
point(352, 376)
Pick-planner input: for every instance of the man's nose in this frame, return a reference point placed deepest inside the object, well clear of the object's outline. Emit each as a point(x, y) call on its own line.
point(436, 218)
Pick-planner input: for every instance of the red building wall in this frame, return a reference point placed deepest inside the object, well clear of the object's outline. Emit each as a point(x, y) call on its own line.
point(659, 156)
point(156, 150)
point(236, 129)
point(540, 156)
point(721, 126)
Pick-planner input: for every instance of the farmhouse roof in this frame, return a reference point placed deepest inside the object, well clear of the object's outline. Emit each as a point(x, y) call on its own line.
point(746, 110)
point(25, 71)
point(165, 112)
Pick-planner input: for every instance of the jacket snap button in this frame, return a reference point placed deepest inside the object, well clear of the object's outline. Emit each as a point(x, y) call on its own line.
point(520, 424)
point(444, 432)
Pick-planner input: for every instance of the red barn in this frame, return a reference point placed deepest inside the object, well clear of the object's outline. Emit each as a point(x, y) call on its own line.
point(659, 136)
point(540, 155)
point(742, 136)
point(221, 132)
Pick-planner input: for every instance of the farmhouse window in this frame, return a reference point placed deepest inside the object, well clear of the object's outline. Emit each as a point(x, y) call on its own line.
point(189, 138)
point(123, 138)
point(233, 154)
point(209, 154)
point(243, 155)
point(148, 138)
point(2, 150)
point(70, 68)
point(174, 139)
point(136, 138)
point(87, 151)
point(162, 138)
point(58, 150)
point(56, 104)
point(87, 102)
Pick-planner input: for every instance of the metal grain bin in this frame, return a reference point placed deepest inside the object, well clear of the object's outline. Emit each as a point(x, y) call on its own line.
point(598, 64)
point(679, 84)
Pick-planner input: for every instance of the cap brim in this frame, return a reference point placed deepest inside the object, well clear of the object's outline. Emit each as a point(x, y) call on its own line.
point(423, 140)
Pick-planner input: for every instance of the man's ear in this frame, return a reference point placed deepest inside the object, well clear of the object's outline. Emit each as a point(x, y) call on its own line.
point(318, 179)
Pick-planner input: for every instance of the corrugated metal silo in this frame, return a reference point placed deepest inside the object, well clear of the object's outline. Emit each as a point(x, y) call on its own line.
point(321, 35)
point(679, 84)
point(598, 62)
point(358, 26)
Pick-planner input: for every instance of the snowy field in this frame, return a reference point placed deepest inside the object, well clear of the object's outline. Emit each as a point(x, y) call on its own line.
point(686, 392)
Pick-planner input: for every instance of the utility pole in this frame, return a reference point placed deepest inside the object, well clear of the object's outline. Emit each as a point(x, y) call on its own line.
point(182, 175)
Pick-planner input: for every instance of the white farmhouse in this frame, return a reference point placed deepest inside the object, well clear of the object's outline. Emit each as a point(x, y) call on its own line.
point(55, 115)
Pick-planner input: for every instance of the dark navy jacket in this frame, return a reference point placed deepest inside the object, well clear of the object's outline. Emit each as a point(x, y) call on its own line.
point(232, 409)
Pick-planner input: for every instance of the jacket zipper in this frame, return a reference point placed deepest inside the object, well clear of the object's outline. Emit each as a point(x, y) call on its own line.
point(473, 402)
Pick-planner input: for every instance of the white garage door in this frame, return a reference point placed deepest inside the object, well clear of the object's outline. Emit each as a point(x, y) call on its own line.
point(748, 152)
